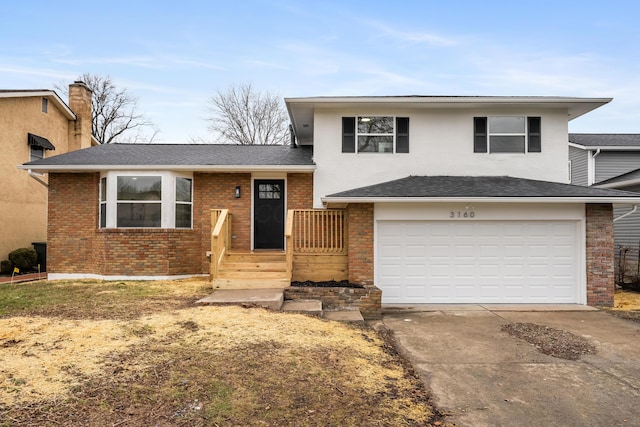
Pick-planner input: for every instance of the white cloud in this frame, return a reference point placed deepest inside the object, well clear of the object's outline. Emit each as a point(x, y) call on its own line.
point(420, 37)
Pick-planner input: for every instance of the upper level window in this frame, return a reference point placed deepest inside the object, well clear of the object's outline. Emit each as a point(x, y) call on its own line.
point(507, 134)
point(375, 134)
point(35, 153)
point(45, 105)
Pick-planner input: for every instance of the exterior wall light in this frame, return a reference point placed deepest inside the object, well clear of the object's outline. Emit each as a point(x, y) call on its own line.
point(237, 191)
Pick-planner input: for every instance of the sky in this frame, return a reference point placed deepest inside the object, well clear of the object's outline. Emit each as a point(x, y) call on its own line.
point(174, 55)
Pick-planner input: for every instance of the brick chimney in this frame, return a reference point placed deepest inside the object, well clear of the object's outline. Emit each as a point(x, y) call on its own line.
point(80, 103)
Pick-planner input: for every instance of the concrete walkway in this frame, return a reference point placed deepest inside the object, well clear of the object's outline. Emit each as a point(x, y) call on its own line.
point(482, 376)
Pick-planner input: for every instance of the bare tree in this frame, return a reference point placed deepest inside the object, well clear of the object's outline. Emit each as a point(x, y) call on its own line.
point(114, 116)
point(244, 116)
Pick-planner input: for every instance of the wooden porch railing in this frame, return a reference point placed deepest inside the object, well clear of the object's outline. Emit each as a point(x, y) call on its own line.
point(288, 241)
point(316, 242)
point(318, 231)
point(220, 238)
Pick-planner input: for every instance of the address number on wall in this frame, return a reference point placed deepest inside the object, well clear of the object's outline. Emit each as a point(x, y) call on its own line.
point(461, 214)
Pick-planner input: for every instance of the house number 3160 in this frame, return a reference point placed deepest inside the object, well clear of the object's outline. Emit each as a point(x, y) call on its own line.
point(462, 214)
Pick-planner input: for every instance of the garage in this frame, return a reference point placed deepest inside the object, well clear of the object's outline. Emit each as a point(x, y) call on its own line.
point(467, 261)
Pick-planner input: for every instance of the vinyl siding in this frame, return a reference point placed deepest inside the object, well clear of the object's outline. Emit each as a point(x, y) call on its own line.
point(626, 230)
point(614, 163)
point(579, 168)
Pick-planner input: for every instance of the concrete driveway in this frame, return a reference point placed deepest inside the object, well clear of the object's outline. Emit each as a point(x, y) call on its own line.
point(481, 376)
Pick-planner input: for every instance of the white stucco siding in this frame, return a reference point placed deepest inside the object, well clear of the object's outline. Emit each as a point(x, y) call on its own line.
point(441, 143)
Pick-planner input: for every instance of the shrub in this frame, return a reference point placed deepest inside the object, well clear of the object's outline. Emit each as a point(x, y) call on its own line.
point(24, 258)
point(5, 267)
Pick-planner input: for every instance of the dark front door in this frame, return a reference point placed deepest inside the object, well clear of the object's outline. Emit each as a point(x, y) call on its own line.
point(268, 214)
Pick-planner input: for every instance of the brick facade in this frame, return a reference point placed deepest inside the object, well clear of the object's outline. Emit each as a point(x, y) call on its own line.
point(77, 246)
point(366, 299)
point(600, 253)
point(360, 243)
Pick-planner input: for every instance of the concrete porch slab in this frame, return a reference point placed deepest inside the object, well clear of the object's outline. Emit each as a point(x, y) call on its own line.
point(306, 306)
point(268, 298)
point(344, 316)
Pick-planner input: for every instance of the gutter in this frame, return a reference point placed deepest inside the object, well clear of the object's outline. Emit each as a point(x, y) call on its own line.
point(34, 176)
point(192, 168)
point(635, 208)
point(347, 200)
point(591, 167)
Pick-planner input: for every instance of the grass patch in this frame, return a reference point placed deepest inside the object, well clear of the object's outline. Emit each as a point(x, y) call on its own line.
point(173, 364)
point(97, 299)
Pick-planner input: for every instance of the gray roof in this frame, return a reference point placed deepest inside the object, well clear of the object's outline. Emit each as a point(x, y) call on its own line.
point(108, 156)
point(476, 187)
point(632, 176)
point(606, 139)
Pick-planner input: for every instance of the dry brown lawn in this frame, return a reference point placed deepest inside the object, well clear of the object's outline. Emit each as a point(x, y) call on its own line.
point(141, 354)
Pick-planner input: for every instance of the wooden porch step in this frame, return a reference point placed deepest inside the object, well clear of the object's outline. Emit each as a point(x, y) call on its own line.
point(253, 266)
point(250, 283)
point(258, 257)
point(228, 274)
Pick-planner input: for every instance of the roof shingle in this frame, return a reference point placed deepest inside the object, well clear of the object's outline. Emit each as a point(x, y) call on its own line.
point(107, 155)
point(476, 187)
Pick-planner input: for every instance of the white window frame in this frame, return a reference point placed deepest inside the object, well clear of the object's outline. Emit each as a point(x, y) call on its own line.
point(393, 134)
point(167, 202)
point(178, 202)
point(524, 134)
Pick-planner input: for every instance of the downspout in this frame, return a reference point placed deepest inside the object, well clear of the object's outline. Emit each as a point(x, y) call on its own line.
point(592, 167)
point(34, 176)
point(292, 137)
point(635, 208)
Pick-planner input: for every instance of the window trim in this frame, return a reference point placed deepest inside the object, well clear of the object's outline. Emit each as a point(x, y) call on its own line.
point(167, 202)
point(350, 134)
point(482, 134)
point(45, 105)
point(179, 202)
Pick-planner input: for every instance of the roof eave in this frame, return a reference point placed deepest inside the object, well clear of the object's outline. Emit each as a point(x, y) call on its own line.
point(619, 184)
point(606, 147)
point(348, 200)
point(191, 168)
point(49, 94)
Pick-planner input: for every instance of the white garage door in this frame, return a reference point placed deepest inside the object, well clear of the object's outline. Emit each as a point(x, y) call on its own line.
point(477, 261)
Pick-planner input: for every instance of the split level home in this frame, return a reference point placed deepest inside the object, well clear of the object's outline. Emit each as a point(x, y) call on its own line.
point(35, 124)
point(426, 199)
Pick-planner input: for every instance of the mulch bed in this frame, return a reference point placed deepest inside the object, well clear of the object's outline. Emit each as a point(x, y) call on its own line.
point(327, 284)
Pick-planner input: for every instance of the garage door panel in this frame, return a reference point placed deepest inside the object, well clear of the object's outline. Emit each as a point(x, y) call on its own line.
point(477, 261)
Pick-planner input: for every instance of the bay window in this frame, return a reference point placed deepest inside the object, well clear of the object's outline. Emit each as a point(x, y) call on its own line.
point(145, 200)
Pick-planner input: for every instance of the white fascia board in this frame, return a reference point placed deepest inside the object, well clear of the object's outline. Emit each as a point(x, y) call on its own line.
point(346, 200)
point(619, 184)
point(609, 147)
point(445, 99)
point(582, 147)
point(189, 168)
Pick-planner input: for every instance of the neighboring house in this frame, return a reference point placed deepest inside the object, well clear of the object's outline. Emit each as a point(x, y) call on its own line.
point(610, 161)
point(430, 199)
point(35, 124)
